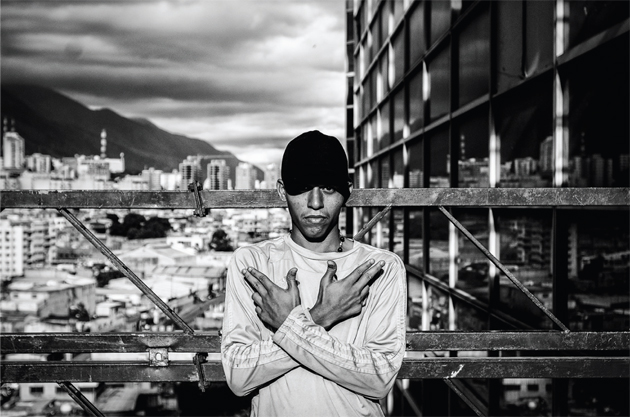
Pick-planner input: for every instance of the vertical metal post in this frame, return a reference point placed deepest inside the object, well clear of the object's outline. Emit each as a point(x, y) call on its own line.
point(560, 300)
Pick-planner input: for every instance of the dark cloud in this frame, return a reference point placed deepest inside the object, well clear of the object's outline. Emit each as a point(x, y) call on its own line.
point(225, 71)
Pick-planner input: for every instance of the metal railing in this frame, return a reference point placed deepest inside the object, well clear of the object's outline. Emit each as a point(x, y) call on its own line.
point(592, 354)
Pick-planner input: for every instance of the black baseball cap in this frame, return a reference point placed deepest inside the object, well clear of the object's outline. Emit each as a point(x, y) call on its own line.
point(314, 159)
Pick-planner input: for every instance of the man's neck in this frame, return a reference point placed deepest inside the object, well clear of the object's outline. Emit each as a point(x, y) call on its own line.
point(329, 244)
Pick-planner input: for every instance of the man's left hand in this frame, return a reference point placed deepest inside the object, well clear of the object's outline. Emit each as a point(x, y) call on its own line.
point(273, 303)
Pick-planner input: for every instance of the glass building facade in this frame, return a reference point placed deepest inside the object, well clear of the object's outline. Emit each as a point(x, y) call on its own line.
point(526, 94)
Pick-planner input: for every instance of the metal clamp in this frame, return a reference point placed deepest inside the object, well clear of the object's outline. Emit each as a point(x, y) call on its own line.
point(199, 359)
point(158, 357)
point(195, 187)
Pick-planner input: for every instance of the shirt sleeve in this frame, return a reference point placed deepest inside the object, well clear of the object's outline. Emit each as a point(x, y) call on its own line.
point(370, 368)
point(249, 356)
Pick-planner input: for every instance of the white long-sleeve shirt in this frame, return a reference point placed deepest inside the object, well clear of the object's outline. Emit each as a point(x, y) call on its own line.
point(302, 369)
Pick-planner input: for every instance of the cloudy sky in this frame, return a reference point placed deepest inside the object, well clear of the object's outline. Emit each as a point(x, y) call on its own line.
point(247, 76)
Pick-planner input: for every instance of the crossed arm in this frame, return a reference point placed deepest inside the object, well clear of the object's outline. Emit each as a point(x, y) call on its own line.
point(337, 299)
point(254, 355)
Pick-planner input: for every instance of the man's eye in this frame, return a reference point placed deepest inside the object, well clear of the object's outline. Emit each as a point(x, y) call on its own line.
point(328, 190)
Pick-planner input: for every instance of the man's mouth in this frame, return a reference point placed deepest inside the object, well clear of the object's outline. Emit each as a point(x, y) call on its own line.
point(315, 219)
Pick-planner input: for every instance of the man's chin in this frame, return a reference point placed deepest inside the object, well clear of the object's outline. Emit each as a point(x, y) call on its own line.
point(315, 234)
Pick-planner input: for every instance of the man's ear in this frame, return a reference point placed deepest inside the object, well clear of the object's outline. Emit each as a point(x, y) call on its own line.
point(281, 191)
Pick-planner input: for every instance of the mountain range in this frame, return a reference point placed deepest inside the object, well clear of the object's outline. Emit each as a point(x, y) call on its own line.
point(54, 124)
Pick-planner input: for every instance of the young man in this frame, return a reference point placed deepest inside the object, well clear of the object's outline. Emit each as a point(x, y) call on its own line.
point(313, 321)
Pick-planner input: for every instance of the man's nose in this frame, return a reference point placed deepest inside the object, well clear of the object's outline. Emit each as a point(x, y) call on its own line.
point(316, 198)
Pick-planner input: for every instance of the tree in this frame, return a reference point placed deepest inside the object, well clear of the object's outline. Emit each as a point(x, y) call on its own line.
point(221, 241)
point(136, 226)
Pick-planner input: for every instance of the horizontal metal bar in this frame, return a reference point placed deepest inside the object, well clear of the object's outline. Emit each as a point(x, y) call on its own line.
point(518, 341)
point(426, 368)
point(416, 341)
point(373, 197)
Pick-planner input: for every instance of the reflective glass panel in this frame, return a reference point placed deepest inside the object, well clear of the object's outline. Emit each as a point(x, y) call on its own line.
point(438, 309)
point(598, 266)
point(417, 34)
point(588, 18)
point(525, 249)
point(386, 137)
point(399, 55)
point(375, 177)
point(384, 19)
point(468, 318)
point(471, 130)
point(472, 264)
point(474, 58)
point(384, 66)
point(439, 74)
point(374, 135)
point(416, 164)
point(439, 158)
point(438, 244)
point(599, 145)
point(509, 68)
point(524, 125)
point(399, 10)
point(598, 397)
point(363, 149)
point(416, 104)
point(385, 172)
point(399, 114)
point(539, 41)
point(415, 238)
point(398, 172)
point(440, 18)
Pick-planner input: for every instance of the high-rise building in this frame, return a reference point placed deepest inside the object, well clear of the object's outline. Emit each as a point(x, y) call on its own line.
point(12, 150)
point(153, 178)
point(39, 163)
point(245, 176)
point(546, 155)
point(12, 249)
point(272, 174)
point(190, 171)
point(491, 94)
point(218, 175)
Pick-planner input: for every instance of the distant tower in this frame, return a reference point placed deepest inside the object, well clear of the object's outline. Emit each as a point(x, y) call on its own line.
point(13, 146)
point(245, 177)
point(103, 144)
point(272, 173)
point(218, 174)
point(190, 171)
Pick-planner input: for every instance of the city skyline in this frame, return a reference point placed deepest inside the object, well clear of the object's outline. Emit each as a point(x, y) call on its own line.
point(223, 72)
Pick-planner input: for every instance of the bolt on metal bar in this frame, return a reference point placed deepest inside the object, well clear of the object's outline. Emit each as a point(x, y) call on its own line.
point(80, 399)
point(377, 218)
point(125, 270)
point(460, 393)
point(503, 269)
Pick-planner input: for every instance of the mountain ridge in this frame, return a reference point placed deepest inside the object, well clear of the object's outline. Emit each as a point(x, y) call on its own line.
point(54, 124)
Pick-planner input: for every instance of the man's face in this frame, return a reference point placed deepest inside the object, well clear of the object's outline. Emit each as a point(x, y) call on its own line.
point(314, 213)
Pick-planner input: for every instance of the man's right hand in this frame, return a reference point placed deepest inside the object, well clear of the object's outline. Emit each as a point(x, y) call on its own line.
point(339, 300)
